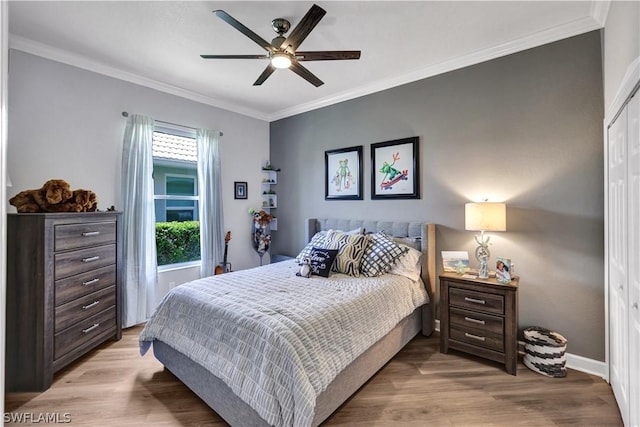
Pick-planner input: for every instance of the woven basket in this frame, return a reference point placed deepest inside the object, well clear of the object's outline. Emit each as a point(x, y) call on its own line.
point(544, 352)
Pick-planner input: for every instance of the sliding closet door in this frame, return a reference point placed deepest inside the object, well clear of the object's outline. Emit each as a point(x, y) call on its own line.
point(633, 166)
point(617, 245)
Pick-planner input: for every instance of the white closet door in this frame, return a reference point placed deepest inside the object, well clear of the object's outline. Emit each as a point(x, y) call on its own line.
point(633, 162)
point(617, 245)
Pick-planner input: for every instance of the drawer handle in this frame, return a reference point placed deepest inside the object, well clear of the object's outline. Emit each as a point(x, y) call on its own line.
point(475, 337)
point(90, 282)
point(90, 328)
point(475, 301)
point(88, 306)
point(91, 258)
point(90, 233)
point(471, 319)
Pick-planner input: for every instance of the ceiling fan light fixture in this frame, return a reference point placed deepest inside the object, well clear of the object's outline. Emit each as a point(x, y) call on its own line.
point(281, 60)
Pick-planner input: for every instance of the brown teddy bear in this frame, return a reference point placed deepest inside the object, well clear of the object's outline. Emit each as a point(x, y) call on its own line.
point(87, 199)
point(55, 196)
point(53, 192)
point(24, 202)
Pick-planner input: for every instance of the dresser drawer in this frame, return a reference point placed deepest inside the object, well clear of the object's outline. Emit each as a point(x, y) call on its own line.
point(83, 260)
point(487, 303)
point(475, 320)
point(72, 236)
point(81, 308)
point(82, 284)
point(84, 331)
point(477, 337)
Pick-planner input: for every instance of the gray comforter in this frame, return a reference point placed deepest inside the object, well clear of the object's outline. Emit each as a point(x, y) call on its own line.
point(277, 340)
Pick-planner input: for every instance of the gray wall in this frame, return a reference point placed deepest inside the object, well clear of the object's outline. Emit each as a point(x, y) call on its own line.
point(525, 129)
point(65, 122)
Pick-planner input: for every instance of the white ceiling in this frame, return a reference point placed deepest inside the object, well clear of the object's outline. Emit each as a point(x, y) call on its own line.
point(157, 44)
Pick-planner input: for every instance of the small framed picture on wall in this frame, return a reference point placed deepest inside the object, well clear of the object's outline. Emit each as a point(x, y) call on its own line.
point(240, 190)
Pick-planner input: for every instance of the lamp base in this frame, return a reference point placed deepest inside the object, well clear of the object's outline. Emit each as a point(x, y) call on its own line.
point(482, 255)
point(483, 270)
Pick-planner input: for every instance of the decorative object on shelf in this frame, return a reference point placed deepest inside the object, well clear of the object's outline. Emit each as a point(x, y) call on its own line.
point(240, 190)
point(394, 169)
point(503, 270)
point(484, 216)
point(260, 231)
point(455, 261)
point(269, 167)
point(343, 174)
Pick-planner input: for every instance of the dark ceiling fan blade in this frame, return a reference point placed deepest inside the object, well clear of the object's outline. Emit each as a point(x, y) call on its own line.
point(265, 75)
point(244, 30)
point(328, 55)
point(305, 74)
point(304, 27)
point(235, 56)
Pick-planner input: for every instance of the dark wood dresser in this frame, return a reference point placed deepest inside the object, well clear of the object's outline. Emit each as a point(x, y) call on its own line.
point(63, 292)
point(480, 317)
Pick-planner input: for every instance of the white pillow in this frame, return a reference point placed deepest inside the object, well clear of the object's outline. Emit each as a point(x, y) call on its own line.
point(358, 230)
point(408, 265)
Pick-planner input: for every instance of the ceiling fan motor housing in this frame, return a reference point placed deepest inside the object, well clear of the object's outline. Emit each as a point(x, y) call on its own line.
point(280, 26)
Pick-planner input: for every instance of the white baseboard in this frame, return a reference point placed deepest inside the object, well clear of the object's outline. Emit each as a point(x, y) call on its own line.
point(579, 363)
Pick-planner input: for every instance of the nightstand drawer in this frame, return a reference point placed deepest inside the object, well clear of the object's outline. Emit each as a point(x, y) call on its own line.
point(475, 320)
point(487, 303)
point(477, 338)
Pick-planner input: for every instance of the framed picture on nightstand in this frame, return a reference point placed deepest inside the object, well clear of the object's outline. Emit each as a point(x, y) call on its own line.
point(503, 270)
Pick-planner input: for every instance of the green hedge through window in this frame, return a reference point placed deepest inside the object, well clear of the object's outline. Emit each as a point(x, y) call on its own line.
point(177, 242)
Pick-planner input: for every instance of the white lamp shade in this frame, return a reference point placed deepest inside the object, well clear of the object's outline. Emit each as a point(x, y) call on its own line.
point(485, 216)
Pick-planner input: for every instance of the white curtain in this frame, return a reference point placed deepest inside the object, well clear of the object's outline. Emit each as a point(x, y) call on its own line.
point(210, 206)
point(139, 245)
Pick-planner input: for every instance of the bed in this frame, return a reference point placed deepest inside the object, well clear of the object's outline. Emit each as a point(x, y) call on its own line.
point(296, 397)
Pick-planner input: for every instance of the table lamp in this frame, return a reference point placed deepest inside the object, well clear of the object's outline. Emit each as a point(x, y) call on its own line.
point(484, 216)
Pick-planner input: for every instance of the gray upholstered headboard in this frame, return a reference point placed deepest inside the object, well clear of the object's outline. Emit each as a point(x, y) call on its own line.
point(422, 233)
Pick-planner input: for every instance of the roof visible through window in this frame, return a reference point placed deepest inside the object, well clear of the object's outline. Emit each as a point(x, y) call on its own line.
point(173, 147)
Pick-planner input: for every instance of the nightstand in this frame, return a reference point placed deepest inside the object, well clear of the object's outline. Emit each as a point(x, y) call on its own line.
point(480, 317)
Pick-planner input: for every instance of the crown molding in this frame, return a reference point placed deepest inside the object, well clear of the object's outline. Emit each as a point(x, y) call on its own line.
point(560, 32)
point(79, 61)
point(600, 11)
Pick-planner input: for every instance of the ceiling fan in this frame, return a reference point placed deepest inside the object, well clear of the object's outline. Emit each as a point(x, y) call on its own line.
point(282, 51)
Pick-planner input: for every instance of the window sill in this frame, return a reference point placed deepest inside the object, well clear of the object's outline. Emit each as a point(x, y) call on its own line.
point(180, 266)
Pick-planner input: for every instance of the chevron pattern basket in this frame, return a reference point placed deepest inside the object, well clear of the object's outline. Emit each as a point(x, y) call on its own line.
point(544, 352)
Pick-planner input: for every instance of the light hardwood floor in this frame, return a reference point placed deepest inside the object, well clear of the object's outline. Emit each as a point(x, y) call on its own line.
point(115, 386)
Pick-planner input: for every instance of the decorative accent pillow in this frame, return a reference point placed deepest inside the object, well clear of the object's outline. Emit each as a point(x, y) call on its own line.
point(380, 255)
point(317, 241)
point(408, 265)
point(350, 247)
point(322, 261)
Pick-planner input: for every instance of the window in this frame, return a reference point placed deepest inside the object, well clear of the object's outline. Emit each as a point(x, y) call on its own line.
point(175, 177)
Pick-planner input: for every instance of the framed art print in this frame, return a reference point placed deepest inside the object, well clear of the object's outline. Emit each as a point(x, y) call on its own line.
point(239, 190)
point(343, 174)
point(394, 169)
